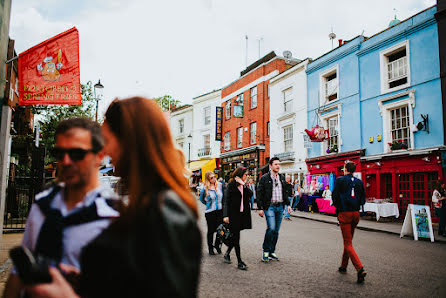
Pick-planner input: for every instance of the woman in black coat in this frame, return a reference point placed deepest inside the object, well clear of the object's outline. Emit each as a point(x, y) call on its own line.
point(236, 212)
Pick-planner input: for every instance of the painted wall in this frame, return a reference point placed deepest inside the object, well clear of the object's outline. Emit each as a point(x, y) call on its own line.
point(421, 34)
point(187, 115)
point(294, 78)
point(211, 100)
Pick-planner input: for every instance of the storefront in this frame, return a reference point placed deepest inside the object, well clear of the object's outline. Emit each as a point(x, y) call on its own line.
point(247, 157)
point(199, 168)
point(333, 163)
point(404, 177)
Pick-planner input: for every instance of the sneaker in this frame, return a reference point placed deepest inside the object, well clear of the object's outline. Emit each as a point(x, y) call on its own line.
point(265, 257)
point(227, 259)
point(288, 218)
point(273, 256)
point(361, 275)
point(342, 270)
point(242, 266)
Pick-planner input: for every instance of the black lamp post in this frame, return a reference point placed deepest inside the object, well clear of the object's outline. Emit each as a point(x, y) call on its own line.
point(98, 86)
point(189, 138)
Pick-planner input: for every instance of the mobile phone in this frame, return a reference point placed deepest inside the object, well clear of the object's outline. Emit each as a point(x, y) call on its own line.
point(29, 269)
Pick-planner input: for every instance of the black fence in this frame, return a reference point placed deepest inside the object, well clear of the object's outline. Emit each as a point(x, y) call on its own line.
point(19, 197)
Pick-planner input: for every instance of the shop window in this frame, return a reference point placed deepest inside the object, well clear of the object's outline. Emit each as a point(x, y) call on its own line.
point(386, 187)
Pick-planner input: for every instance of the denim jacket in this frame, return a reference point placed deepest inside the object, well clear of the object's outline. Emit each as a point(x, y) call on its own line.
point(213, 200)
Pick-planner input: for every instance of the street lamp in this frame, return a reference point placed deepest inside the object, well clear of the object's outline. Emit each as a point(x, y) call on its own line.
point(189, 138)
point(98, 86)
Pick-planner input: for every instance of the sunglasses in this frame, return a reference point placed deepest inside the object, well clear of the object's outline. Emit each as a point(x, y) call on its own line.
point(75, 154)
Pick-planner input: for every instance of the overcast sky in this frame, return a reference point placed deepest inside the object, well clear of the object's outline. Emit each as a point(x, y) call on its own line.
point(186, 48)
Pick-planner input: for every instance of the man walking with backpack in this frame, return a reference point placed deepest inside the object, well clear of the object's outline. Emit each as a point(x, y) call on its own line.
point(348, 197)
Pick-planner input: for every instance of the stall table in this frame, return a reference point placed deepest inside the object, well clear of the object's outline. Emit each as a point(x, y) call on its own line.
point(382, 209)
point(325, 207)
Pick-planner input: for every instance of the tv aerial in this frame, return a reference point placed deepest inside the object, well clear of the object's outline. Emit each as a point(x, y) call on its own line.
point(332, 36)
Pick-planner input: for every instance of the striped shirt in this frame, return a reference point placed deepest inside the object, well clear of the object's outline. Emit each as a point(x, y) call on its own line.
point(277, 188)
point(213, 199)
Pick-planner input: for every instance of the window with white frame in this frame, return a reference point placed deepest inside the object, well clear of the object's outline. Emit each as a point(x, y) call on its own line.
point(206, 141)
point(400, 128)
point(239, 137)
point(287, 100)
point(181, 126)
point(331, 86)
point(253, 97)
point(239, 99)
point(395, 67)
point(207, 115)
point(227, 140)
point(333, 131)
point(253, 132)
point(228, 109)
point(288, 138)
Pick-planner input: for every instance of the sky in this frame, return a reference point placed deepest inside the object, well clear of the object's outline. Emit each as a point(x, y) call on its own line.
point(186, 48)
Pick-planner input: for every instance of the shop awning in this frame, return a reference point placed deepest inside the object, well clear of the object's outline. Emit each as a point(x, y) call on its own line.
point(209, 166)
point(197, 164)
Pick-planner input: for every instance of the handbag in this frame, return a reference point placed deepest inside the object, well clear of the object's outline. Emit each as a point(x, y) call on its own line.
point(224, 234)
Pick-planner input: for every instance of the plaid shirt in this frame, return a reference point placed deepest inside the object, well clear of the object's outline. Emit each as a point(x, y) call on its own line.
point(277, 188)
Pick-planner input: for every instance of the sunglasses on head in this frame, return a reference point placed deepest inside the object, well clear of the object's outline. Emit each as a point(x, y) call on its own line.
point(75, 154)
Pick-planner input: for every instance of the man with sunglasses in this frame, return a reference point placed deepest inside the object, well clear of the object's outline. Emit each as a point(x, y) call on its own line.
point(272, 198)
point(71, 213)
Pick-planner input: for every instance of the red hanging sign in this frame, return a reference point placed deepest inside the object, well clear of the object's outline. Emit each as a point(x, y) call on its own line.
point(317, 134)
point(49, 72)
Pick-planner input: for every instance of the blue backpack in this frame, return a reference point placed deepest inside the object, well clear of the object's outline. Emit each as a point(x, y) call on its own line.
point(349, 200)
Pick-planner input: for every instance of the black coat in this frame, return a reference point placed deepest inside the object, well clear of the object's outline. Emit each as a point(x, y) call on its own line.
point(231, 207)
point(265, 191)
point(342, 184)
point(156, 253)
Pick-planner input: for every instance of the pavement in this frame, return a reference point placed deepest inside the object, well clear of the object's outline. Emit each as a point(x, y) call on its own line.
point(368, 223)
point(8, 241)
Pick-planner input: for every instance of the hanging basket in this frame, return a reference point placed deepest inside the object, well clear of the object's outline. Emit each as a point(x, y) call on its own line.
point(317, 134)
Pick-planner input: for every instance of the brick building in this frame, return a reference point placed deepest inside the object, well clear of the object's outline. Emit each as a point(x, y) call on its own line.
point(245, 105)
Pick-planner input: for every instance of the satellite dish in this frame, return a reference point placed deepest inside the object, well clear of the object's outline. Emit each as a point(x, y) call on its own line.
point(332, 36)
point(287, 54)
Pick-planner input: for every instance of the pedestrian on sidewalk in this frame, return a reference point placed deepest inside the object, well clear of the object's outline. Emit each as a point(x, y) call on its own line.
point(348, 197)
point(236, 212)
point(74, 210)
point(252, 187)
point(438, 200)
point(289, 191)
point(154, 248)
point(297, 194)
point(272, 198)
point(327, 195)
point(212, 197)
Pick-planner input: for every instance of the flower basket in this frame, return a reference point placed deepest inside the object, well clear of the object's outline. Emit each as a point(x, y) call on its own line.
point(397, 145)
point(332, 149)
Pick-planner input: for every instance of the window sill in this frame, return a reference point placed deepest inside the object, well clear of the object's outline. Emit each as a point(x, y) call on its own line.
point(386, 91)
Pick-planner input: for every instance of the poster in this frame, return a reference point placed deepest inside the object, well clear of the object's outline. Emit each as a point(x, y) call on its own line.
point(418, 222)
point(49, 72)
point(237, 111)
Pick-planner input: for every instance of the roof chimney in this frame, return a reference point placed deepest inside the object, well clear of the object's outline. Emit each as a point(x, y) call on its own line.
point(340, 42)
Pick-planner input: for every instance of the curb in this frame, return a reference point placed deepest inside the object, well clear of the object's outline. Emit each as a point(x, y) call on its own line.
point(366, 228)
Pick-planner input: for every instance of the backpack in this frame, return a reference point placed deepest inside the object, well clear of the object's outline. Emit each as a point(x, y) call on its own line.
point(224, 234)
point(349, 200)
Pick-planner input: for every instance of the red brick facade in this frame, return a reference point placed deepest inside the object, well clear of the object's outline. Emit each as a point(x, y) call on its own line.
point(259, 114)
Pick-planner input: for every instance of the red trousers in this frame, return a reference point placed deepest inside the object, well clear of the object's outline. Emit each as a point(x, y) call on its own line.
point(348, 222)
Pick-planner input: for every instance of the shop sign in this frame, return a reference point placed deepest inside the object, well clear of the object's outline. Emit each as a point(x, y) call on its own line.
point(418, 222)
point(219, 124)
point(237, 111)
point(49, 71)
point(317, 133)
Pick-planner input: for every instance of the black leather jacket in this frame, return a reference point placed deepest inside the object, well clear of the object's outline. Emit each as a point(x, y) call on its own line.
point(265, 191)
point(155, 253)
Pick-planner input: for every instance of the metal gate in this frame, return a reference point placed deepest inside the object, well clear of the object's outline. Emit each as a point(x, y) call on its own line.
point(19, 196)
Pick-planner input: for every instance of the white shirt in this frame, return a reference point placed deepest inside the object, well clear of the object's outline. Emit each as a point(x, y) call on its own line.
point(77, 236)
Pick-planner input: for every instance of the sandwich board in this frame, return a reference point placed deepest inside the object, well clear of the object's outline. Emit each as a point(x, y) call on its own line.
point(418, 222)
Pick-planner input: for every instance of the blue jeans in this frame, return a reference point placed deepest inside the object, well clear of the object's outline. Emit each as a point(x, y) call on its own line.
point(273, 218)
point(287, 214)
point(251, 200)
point(296, 201)
point(441, 225)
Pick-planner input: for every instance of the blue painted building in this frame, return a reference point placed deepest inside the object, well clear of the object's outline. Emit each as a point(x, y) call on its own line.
point(380, 99)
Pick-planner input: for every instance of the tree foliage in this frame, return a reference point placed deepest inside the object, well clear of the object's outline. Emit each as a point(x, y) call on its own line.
point(51, 115)
point(165, 101)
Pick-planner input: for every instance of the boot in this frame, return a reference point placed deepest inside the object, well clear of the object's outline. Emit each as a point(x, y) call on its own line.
point(217, 246)
point(211, 251)
point(227, 257)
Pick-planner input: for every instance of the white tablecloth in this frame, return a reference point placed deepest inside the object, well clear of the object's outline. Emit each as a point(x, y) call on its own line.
point(383, 209)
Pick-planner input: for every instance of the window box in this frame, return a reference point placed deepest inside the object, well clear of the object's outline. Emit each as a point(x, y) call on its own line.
point(398, 145)
point(332, 149)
